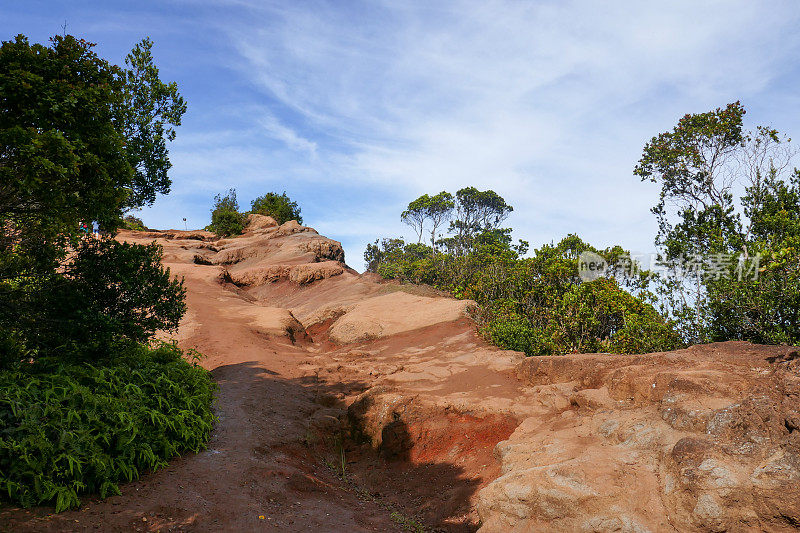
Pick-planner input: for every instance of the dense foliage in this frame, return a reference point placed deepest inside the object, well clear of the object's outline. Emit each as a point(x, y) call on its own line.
point(77, 428)
point(729, 228)
point(85, 402)
point(278, 206)
point(109, 292)
point(226, 220)
point(728, 262)
point(537, 305)
point(81, 140)
point(133, 223)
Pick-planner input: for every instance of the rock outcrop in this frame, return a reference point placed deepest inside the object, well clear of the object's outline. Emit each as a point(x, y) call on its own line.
point(705, 439)
point(702, 439)
point(394, 313)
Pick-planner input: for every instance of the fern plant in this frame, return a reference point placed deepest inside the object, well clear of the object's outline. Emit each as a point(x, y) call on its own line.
point(78, 428)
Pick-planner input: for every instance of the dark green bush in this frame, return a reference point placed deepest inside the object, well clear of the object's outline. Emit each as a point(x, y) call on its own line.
point(226, 220)
point(278, 206)
point(513, 332)
point(537, 305)
point(540, 307)
point(134, 223)
point(68, 429)
point(110, 291)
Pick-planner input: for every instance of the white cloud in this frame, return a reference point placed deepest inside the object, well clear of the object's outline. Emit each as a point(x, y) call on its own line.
point(279, 131)
point(548, 103)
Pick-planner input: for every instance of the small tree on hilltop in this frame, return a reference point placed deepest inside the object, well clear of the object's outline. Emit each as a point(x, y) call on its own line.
point(226, 220)
point(278, 206)
point(439, 210)
point(479, 211)
point(415, 215)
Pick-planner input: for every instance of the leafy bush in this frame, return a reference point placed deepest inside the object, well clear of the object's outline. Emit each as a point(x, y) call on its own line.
point(80, 428)
point(764, 310)
point(514, 332)
point(134, 223)
point(536, 305)
point(110, 291)
point(226, 220)
point(540, 306)
point(278, 206)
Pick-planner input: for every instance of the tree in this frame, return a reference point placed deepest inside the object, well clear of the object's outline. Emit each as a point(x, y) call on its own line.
point(278, 206)
point(135, 223)
point(151, 109)
point(724, 194)
point(82, 390)
point(63, 158)
point(476, 211)
point(480, 210)
point(438, 209)
point(415, 215)
point(538, 305)
point(226, 220)
point(81, 140)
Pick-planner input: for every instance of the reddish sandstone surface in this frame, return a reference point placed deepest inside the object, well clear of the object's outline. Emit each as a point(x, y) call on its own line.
point(351, 404)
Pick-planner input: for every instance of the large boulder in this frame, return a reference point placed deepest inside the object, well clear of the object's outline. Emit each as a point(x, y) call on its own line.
point(394, 313)
point(260, 222)
point(703, 439)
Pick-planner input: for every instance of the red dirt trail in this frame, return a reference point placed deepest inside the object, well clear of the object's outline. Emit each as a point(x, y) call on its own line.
point(350, 404)
point(259, 462)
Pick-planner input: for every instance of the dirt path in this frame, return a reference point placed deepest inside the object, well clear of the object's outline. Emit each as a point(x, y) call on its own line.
point(276, 450)
point(347, 404)
point(256, 465)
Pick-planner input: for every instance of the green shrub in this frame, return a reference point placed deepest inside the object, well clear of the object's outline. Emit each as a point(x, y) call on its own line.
point(79, 428)
point(109, 291)
point(764, 309)
point(596, 316)
point(226, 220)
point(536, 305)
point(513, 332)
point(134, 223)
point(599, 316)
point(278, 206)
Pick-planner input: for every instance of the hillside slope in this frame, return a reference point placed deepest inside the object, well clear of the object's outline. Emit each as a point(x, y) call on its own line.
point(325, 372)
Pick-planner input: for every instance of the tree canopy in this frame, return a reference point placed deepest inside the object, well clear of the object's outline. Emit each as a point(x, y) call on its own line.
point(278, 206)
point(728, 233)
point(81, 140)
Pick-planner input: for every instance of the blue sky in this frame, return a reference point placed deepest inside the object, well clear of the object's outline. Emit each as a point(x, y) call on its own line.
point(356, 108)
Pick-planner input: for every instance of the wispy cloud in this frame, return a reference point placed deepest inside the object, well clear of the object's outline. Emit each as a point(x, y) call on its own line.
point(279, 131)
point(355, 108)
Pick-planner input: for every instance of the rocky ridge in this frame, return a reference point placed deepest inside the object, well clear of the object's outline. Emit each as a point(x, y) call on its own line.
point(393, 382)
point(704, 439)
